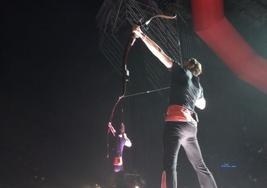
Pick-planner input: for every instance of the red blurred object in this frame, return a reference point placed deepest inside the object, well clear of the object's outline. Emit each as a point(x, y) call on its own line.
point(219, 34)
point(163, 180)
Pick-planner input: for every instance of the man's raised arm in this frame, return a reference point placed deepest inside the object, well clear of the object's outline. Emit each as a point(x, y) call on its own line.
point(153, 47)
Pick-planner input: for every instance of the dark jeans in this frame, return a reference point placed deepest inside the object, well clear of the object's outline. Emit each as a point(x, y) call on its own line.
point(178, 134)
point(120, 180)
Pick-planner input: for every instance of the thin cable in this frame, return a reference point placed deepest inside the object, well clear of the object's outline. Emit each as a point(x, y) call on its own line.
point(117, 15)
point(146, 92)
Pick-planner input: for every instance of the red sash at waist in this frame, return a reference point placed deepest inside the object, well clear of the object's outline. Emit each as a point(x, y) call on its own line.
point(179, 113)
point(117, 161)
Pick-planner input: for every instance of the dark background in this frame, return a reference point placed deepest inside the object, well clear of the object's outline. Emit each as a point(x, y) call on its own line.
point(57, 91)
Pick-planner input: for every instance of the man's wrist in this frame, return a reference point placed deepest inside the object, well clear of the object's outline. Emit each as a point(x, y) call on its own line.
point(143, 36)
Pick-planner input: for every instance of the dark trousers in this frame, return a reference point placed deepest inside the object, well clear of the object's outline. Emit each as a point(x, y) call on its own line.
point(177, 134)
point(120, 180)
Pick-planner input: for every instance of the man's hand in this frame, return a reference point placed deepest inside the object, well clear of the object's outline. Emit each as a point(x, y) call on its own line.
point(137, 31)
point(111, 129)
point(201, 103)
point(128, 142)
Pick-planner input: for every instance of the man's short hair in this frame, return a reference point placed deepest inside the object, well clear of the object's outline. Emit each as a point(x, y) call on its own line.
point(194, 66)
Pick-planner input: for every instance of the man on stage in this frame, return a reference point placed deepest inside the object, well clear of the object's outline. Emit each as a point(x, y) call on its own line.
point(118, 167)
point(122, 140)
point(181, 119)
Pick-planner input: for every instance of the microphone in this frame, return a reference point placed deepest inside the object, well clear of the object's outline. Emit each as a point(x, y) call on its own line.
point(133, 37)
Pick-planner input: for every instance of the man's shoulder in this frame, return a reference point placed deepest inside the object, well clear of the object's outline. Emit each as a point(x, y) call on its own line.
point(178, 67)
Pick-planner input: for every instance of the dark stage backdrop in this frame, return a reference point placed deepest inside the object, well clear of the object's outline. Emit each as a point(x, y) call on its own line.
point(57, 92)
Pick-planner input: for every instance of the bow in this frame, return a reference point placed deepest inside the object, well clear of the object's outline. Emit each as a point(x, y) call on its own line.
point(160, 16)
point(125, 71)
point(125, 75)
